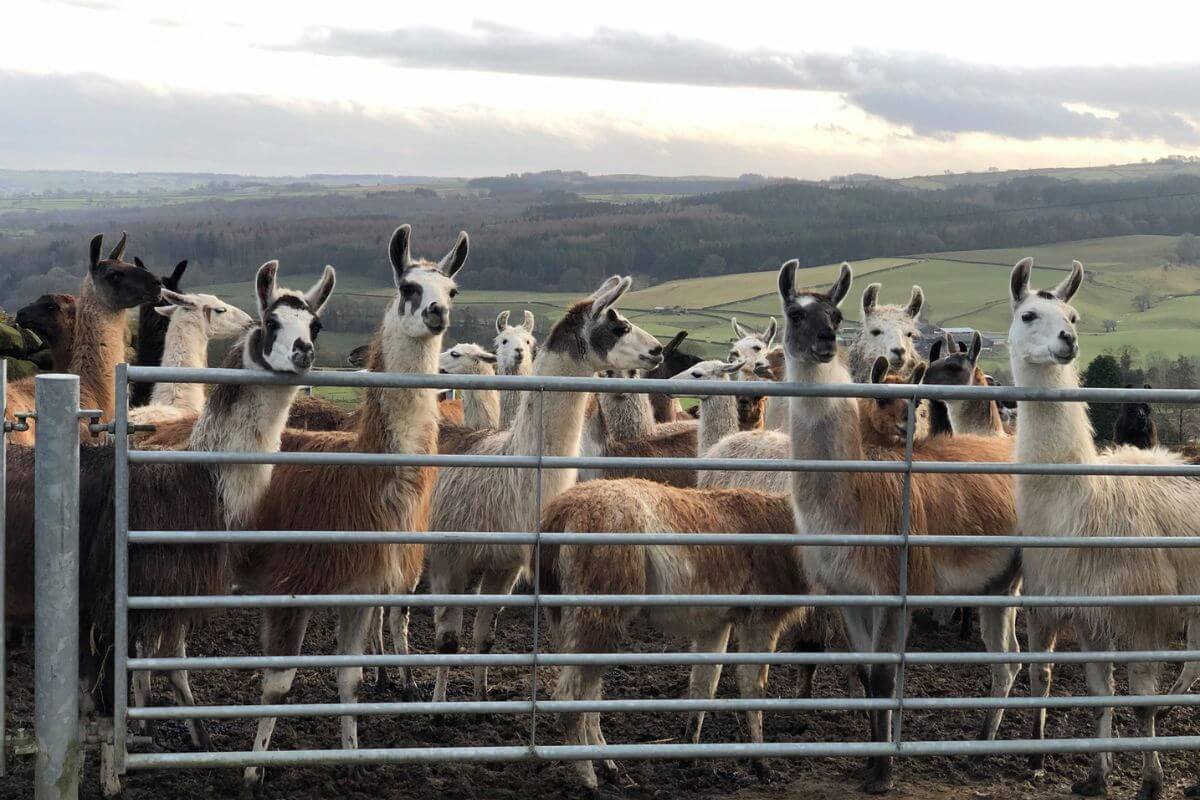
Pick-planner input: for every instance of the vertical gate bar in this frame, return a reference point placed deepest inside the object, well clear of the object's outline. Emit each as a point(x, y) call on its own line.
point(905, 524)
point(537, 581)
point(3, 565)
point(121, 568)
point(56, 587)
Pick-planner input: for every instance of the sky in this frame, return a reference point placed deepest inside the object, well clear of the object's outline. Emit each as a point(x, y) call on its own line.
point(666, 88)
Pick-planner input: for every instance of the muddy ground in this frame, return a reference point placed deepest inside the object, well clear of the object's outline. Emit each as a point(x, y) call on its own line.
point(236, 633)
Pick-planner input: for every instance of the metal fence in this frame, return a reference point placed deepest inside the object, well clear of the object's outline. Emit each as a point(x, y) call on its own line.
point(538, 748)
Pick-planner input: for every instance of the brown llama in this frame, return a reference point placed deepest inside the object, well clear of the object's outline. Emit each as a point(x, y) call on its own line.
point(110, 288)
point(342, 498)
point(828, 428)
point(52, 317)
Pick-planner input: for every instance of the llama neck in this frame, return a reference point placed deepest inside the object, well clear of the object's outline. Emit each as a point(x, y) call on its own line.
point(975, 417)
point(400, 420)
point(481, 407)
point(562, 417)
point(186, 345)
point(825, 428)
point(776, 418)
point(718, 419)
point(98, 348)
point(510, 400)
point(243, 418)
point(1052, 433)
point(62, 348)
point(627, 416)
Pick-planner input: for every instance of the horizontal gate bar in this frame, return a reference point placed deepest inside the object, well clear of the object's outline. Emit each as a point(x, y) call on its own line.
point(656, 659)
point(630, 752)
point(659, 601)
point(781, 539)
point(609, 462)
point(656, 706)
point(557, 383)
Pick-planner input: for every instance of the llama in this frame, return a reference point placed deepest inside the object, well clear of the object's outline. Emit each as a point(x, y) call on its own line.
point(1043, 347)
point(592, 336)
point(1135, 425)
point(481, 407)
point(111, 287)
point(195, 320)
point(667, 408)
point(245, 418)
point(750, 345)
point(152, 334)
point(515, 348)
point(887, 330)
point(870, 503)
point(52, 317)
point(340, 498)
point(770, 367)
point(959, 367)
point(637, 506)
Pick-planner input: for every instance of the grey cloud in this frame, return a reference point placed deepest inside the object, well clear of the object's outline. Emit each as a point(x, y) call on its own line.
point(933, 95)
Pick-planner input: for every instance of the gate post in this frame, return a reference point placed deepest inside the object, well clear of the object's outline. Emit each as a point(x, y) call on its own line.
point(56, 589)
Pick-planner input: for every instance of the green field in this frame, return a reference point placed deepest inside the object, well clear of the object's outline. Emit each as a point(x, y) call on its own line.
point(968, 288)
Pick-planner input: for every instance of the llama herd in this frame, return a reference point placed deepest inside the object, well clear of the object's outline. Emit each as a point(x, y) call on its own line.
point(86, 335)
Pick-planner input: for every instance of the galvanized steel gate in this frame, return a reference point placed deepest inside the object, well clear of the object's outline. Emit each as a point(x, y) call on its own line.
point(535, 707)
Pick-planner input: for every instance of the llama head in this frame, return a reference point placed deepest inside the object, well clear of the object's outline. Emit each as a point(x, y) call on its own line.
point(117, 283)
point(770, 365)
point(425, 290)
point(674, 360)
point(811, 319)
point(1136, 416)
point(1043, 323)
point(514, 344)
point(289, 321)
point(50, 316)
point(170, 280)
point(467, 358)
point(889, 330)
point(218, 319)
point(950, 365)
point(711, 370)
point(749, 345)
point(885, 419)
point(594, 332)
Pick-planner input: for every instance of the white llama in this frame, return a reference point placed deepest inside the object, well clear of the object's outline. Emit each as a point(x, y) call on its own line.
point(481, 407)
point(515, 348)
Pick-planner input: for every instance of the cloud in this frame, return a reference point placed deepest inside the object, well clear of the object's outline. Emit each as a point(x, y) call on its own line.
point(932, 95)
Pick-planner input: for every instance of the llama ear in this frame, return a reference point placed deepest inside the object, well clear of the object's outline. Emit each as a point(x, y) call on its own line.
point(1018, 281)
point(769, 333)
point(319, 294)
point(918, 373)
point(177, 273)
point(605, 300)
point(118, 252)
point(453, 261)
point(739, 330)
point(264, 286)
point(870, 298)
point(990, 380)
point(787, 280)
point(501, 321)
point(935, 350)
point(177, 299)
point(399, 250)
point(486, 357)
point(94, 250)
point(915, 302)
point(879, 369)
point(976, 347)
point(674, 343)
point(137, 262)
point(529, 321)
point(166, 311)
point(841, 287)
point(609, 283)
point(1070, 284)
point(1147, 386)
point(732, 366)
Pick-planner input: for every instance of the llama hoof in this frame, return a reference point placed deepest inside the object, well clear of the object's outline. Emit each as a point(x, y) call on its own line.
point(354, 772)
point(411, 693)
point(609, 774)
point(201, 740)
point(1192, 791)
point(1091, 786)
point(879, 785)
point(1037, 765)
point(1150, 790)
point(761, 770)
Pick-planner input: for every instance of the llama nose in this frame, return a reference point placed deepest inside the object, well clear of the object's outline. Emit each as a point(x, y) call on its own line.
point(302, 354)
point(899, 351)
point(1067, 337)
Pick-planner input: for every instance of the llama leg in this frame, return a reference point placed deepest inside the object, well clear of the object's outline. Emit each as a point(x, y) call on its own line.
point(383, 681)
point(483, 634)
point(857, 622)
point(282, 635)
point(702, 682)
point(447, 621)
point(1143, 680)
point(999, 629)
point(354, 628)
point(1043, 636)
point(141, 688)
point(1100, 684)
point(1188, 674)
point(183, 697)
point(398, 617)
point(810, 637)
point(888, 628)
point(577, 683)
point(752, 684)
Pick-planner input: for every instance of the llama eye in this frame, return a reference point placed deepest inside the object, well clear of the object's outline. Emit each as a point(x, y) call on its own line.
point(1028, 316)
point(697, 375)
point(504, 341)
point(911, 334)
point(453, 293)
point(220, 310)
point(757, 348)
point(875, 331)
point(836, 317)
point(453, 354)
point(315, 328)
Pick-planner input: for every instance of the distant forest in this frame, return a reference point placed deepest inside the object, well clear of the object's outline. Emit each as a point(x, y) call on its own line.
point(537, 234)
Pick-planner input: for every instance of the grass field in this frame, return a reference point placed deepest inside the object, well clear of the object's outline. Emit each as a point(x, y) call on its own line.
point(967, 288)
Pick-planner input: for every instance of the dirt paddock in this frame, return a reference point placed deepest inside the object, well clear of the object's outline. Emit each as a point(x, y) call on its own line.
point(1001, 777)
